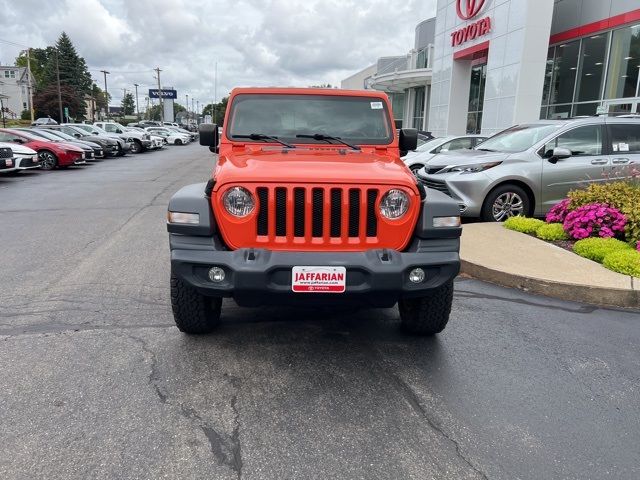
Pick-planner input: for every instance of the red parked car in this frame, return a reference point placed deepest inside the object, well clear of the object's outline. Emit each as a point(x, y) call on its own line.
point(51, 154)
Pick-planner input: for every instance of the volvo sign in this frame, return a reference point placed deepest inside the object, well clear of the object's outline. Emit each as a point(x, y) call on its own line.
point(164, 93)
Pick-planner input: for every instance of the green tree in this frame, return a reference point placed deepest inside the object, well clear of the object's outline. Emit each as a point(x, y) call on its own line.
point(128, 104)
point(220, 109)
point(39, 60)
point(177, 108)
point(73, 73)
point(45, 102)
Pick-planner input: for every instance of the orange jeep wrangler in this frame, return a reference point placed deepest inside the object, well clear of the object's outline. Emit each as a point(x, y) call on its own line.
point(310, 204)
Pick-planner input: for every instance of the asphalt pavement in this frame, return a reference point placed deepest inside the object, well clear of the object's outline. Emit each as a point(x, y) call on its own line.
point(96, 382)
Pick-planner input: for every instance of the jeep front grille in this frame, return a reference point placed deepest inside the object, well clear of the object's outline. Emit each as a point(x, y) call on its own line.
point(324, 205)
point(316, 217)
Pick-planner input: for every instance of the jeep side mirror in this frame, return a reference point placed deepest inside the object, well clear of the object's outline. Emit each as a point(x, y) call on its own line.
point(209, 136)
point(559, 153)
point(408, 140)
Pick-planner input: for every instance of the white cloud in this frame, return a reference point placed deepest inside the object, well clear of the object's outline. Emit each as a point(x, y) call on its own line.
point(255, 42)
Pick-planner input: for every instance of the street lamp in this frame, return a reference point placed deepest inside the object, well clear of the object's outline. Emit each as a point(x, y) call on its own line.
point(137, 107)
point(106, 92)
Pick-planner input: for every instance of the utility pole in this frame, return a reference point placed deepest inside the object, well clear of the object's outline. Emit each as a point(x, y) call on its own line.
point(157, 69)
point(30, 84)
point(187, 105)
point(59, 93)
point(137, 108)
point(197, 109)
point(106, 92)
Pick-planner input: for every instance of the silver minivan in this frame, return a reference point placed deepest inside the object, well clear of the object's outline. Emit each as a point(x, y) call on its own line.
point(528, 168)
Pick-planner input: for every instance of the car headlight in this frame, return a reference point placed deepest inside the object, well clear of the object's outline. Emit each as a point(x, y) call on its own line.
point(394, 204)
point(238, 201)
point(478, 167)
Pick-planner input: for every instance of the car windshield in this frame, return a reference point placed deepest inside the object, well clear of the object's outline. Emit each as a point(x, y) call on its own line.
point(436, 142)
point(518, 138)
point(61, 135)
point(94, 128)
point(362, 120)
point(75, 130)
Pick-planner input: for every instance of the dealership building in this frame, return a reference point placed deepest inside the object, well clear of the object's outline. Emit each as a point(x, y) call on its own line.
point(483, 65)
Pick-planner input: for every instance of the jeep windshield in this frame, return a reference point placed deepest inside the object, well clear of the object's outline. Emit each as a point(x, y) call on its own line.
point(353, 119)
point(519, 138)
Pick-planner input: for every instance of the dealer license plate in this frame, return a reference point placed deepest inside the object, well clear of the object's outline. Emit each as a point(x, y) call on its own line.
point(318, 279)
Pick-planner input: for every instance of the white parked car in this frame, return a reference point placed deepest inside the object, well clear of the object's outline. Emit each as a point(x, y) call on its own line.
point(418, 158)
point(192, 135)
point(24, 158)
point(140, 141)
point(171, 136)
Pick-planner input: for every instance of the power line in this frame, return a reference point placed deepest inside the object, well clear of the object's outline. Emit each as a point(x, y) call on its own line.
point(13, 43)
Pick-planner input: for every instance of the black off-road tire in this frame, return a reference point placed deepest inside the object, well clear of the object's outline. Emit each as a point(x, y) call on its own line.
point(177, 142)
point(193, 312)
point(427, 315)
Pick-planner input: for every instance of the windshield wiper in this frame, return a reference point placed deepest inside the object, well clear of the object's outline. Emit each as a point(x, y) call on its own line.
point(320, 136)
point(485, 149)
point(261, 136)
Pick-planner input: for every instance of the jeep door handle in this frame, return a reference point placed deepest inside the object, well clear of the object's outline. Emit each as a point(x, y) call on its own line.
point(599, 161)
point(620, 161)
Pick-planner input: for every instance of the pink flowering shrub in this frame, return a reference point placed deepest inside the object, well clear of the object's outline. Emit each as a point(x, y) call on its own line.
point(559, 212)
point(594, 220)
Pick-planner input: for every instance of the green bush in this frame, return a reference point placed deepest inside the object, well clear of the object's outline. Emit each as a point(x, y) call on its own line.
point(624, 195)
point(626, 262)
point(597, 249)
point(523, 224)
point(552, 232)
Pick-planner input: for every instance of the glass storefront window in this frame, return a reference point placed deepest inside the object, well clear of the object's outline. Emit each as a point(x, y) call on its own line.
point(418, 108)
point(476, 98)
point(557, 112)
point(591, 69)
point(548, 76)
point(397, 105)
point(423, 58)
point(565, 70)
point(624, 64)
point(585, 109)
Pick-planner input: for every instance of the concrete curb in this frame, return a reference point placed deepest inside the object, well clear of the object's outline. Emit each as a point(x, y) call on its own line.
point(626, 298)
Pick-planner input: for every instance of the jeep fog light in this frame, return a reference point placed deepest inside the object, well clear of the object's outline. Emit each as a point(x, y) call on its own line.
point(444, 222)
point(238, 201)
point(184, 218)
point(417, 275)
point(394, 204)
point(216, 274)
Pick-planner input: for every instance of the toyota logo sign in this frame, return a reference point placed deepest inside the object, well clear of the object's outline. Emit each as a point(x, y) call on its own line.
point(471, 8)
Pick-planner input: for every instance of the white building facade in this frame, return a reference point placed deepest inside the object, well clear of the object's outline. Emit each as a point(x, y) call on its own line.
point(481, 66)
point(521, 60)
point(14, 88)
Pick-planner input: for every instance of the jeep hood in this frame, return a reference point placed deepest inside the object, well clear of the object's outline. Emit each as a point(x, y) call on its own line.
point(466, 157)
point(313, 165)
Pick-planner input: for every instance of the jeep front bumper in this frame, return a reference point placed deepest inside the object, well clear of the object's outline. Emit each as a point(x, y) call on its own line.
point(253, 277)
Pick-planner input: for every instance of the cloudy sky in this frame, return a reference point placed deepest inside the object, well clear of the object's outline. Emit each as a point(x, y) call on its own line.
point(255, 42)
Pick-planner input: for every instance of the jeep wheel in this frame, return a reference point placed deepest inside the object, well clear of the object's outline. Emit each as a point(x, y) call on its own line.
point(504, 202)
point(427, 315)
point(193, 312)
point(48, 161)
point(136, 147)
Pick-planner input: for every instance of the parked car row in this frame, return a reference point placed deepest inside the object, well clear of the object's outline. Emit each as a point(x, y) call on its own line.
point(48, 145)
point(528, 168)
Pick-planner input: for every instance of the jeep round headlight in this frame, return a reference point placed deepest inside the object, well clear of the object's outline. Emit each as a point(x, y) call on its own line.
point(238, 201)
point(394, 204)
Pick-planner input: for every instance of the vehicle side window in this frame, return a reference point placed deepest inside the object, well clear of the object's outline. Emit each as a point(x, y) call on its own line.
point(110, 128)
point(581, 141)
point(625, 137)
point(5, 137)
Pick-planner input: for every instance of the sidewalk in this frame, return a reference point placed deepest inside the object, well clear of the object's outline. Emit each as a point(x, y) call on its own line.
point(491, 252)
